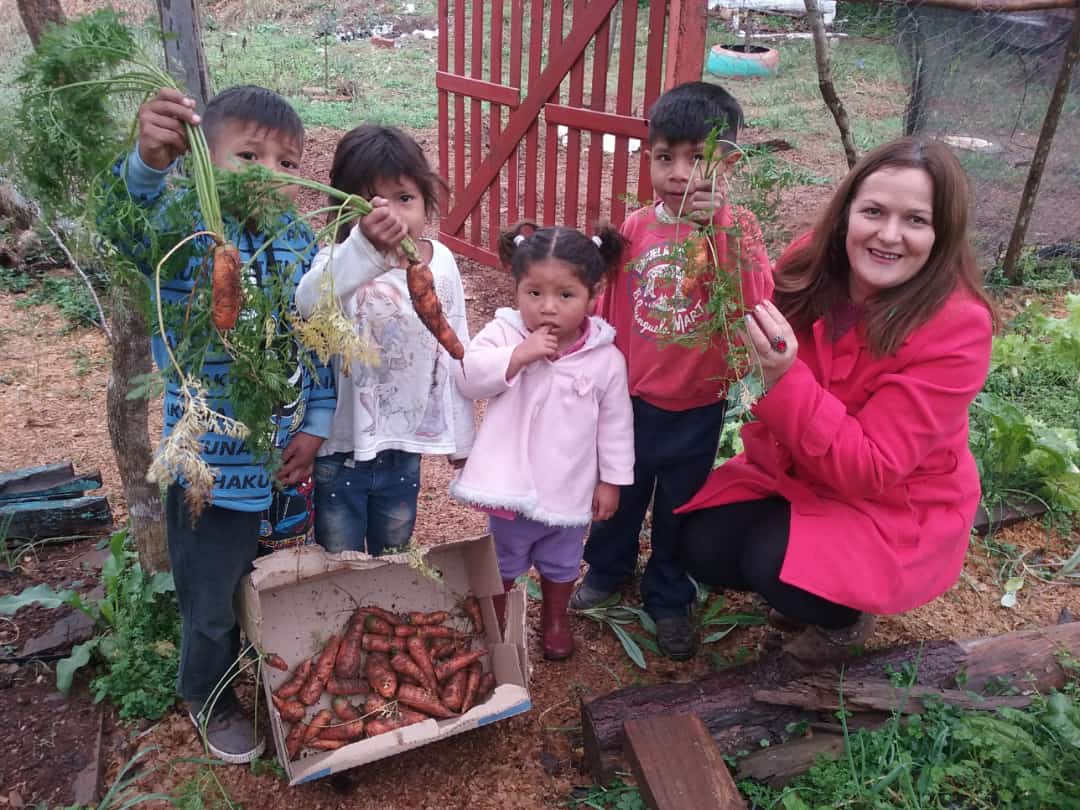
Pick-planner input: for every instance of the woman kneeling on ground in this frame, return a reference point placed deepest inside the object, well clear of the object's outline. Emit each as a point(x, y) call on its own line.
point(856, 492)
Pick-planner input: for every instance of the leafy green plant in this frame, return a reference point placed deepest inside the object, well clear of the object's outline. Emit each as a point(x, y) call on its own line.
point(138, 633)
point(616, 796)
point(617, 618)
point(715, 625)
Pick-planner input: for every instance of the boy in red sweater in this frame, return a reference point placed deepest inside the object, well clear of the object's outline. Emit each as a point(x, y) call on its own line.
point(678, 392)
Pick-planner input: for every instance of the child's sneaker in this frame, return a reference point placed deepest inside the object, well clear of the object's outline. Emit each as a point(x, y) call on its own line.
point(587, 596)
point(229, 736)
point(677, 637)
point(817, 645)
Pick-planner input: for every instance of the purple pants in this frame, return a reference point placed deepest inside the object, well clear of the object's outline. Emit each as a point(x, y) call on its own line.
point(522, 543)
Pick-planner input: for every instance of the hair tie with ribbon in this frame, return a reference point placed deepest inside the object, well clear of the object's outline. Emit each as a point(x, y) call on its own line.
point(519, 239)
point(596, 240)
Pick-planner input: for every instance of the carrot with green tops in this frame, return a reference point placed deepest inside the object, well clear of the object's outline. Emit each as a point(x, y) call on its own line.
point(291, 688)
point(421, 284)
point(226, 290)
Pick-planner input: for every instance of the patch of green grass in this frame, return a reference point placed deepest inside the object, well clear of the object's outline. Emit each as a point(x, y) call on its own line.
point(68, 294)
point(14, 280)
point(617, 796)
point(387, 86)
point(870, 132)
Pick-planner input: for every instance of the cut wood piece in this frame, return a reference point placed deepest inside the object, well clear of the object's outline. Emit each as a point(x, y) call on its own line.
point(779, 764)
point(63, 488)
point(678, 766)
point(735, 705)
point(31, 520)
point(29, 479)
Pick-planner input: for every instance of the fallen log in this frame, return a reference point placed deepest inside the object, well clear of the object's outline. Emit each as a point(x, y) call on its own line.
point(738, 708)
point(68, 517)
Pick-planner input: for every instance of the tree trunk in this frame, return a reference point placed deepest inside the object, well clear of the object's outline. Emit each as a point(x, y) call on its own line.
point(743, 706)
point(184, 57)
point(825, 81)
point(130, 433)
point(37, 14)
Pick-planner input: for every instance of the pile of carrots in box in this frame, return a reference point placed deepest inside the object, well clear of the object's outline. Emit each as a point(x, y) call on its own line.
point(383, 672)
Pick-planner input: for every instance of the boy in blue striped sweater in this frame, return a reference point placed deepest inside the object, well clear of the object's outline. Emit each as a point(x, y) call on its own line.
point(212, 553)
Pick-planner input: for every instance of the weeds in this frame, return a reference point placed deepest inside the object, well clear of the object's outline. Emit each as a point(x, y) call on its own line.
point(617, 796)
point(138, 633)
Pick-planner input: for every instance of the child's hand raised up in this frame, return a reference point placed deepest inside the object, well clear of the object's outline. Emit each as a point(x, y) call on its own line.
point(162, 138)
point(539, 344)
point(382, 227)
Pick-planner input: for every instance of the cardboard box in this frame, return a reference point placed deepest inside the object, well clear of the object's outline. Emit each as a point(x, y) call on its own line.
point(296, 598)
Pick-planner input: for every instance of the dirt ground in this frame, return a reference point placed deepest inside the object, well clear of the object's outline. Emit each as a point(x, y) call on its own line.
point(52, 407)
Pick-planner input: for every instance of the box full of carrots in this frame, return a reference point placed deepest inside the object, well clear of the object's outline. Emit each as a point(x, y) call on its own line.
point(363, 658)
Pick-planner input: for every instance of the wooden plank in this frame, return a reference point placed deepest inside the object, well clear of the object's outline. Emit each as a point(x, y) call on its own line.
point(1002, 515)
point(444, 102)
point(623, 105)
point(460, 172)
point(779, 764)
point(517, 13)
point(598, 103)
point(469, 250)
point(685, 42)
point(29, 479)
point(532, 134)
point(612, 123)
point(572, 186)
point(654, 56)
point(678, 766)
point(60, 518)
point(552, 178)
point(478, 88)
point(476, 116)
point(62, 489)
point(495, 121)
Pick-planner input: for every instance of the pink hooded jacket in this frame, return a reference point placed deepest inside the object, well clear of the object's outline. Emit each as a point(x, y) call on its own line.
point(552, 432)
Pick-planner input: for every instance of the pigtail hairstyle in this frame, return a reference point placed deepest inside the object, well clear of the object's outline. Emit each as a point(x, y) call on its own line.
point(813, 277)
point(592, 261)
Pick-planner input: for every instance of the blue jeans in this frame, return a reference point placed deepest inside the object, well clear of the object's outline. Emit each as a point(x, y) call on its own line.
point(366, 505)
point(674, 452)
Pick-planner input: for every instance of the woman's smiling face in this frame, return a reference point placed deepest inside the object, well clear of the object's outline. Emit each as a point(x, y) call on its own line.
point(890, 230)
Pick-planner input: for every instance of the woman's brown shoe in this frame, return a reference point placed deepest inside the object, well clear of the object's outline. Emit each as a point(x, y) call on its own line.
point(817, 645)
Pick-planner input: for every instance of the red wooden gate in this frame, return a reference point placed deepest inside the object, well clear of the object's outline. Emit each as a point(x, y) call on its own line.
point(512, 164)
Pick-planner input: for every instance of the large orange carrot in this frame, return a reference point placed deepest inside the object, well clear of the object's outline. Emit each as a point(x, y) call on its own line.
point(393, 618)
point(424, 631)
point(435, 617)
point(373, 642)
point(419, 698)
point(472, 686)
point(453, 694)
point(291, 711)
point(319, 723)
point(351, 729)
point(418, 651)
point(276, 661)
point(291, 688)
point(380, 675)
point(421, 284)
point(226, 292)
point(442, 647)
point(375, 624)
point(347, 686)
point(444, 669)
point(323, 744)
point(320, 674)
point(295, 740)
point(406, 667)
point(347, 663)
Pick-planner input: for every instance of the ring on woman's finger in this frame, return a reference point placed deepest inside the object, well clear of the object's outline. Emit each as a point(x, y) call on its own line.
point(779, 345)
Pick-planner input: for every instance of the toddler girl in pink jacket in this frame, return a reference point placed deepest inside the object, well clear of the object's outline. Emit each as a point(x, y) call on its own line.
point(557, 439)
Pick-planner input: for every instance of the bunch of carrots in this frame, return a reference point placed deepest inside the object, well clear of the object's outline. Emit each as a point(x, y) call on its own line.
point(400, 669)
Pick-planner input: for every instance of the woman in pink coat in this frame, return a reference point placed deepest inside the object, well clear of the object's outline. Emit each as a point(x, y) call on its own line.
point(856, 491)
point(557, 439)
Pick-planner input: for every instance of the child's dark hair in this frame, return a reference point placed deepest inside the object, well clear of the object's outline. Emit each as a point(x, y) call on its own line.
point(690, 111)
point(369, 153)
point(251, 104)
point(591, 262)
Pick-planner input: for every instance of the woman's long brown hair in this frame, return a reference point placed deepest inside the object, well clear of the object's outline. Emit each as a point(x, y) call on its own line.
point(813, 277)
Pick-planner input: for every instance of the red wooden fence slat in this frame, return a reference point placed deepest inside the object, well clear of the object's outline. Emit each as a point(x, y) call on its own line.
point(686, 42)
point(444, 99)
point(478, 88)
point(654, 56)
point(476, 119)
point(532, 147)
point(573, 136)
point(598, 102)
point(469, 250)
point(495, 121)
point(624, 96)
point(525, 115)
point(551, 135)
point(624, 125)
point(516, 23)
point(459, 109)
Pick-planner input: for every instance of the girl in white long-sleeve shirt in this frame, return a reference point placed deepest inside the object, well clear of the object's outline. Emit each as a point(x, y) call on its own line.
point(367, 474)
